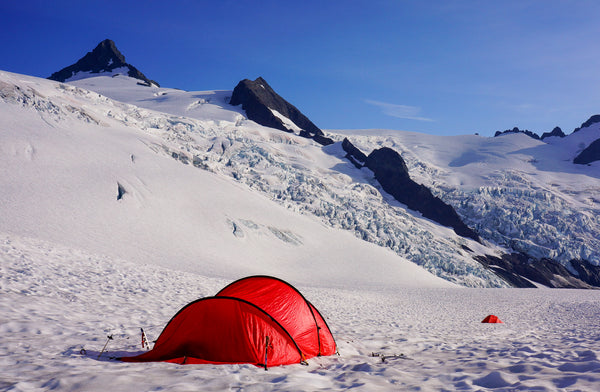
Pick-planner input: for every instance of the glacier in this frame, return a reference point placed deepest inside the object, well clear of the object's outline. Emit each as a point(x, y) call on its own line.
point(519, 194)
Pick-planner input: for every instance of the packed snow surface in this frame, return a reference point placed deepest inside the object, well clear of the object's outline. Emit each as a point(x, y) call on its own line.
point(59, 304)
point(120, 204)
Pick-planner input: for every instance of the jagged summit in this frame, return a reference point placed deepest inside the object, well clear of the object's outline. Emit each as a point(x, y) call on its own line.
point(517, 130)
point(105, 58)
point(264, 106)
point(592, 120)
point(555, 132)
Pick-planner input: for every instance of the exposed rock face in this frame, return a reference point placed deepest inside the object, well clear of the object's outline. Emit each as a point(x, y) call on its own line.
point(392, 174)
point(517, 266)
point(587, 272)
point(104, 58)
point(555, 132)
point(259, 100)
point(589, 155)
point(353, 154)
point(592, 120)
point(517, 130)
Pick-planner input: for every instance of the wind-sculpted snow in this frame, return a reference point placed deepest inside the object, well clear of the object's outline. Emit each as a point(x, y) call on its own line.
point(59, 304)
point(295, 172)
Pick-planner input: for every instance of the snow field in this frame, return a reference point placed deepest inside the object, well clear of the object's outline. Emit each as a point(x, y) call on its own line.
point(57, 300)
point(212, 197)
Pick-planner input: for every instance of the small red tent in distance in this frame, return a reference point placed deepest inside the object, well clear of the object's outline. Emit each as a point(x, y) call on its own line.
point(492, 319)
point(259, 320)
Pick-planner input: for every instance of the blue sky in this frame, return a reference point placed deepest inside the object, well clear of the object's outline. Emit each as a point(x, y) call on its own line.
point(438, 67)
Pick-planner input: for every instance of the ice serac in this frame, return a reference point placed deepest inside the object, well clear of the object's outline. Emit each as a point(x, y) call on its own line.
point(259, 101)
point(392, 174)
point(105, 58)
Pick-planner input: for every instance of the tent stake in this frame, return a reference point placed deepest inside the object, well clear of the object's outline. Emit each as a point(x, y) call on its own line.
point(145, 340)
point(266, 351)
point(105, 344)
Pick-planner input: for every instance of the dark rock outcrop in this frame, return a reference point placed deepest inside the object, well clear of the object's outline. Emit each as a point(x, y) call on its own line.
point(258, 99)
point(592, 120)
point(392, 174)
point(104, 58)
point(353, 154)
point(519, 269)
point(587, 272)
point(517, 130)
point(555, 132)
point(590, 154)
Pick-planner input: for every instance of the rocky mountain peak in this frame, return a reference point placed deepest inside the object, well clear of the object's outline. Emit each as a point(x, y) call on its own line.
point(105, 58)
point(260, 101)
point(592, 120)
point(517, 130)
point(555, 132)
point(106, 55)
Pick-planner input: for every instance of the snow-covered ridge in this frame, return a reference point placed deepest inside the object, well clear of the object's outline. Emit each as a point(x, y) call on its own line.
point(495, 184)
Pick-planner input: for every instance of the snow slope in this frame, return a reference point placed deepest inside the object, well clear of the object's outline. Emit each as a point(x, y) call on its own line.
point(66, 153)
point(132, 147)
point(299, 175)
point(517, 192)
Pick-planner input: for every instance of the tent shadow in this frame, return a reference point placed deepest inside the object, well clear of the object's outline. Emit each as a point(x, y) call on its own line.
point(108, 356)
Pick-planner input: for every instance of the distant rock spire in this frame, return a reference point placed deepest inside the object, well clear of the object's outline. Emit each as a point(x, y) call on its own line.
point(555, 132)
point(104, 58)
point(592, 120)
point(517, 130)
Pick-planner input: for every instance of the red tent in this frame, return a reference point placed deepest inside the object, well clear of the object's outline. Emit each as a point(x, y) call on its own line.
point(289, 307)
point(259, 320)
point(491, 319)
